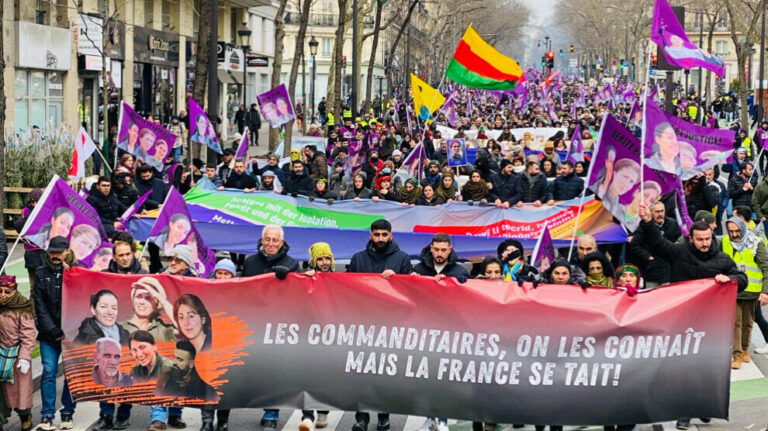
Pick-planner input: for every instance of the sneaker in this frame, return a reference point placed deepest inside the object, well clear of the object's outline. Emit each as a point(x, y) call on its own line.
point(66, 422)
point(121, 424)
point(383, 424)
point(306, 425)
point(222, 426)
point(428, 425)
point(322, 420)
point(176, 422)
point(683, 424)
point(745, 357)
point(762, 350)
point(442, 426)
point(157, 426)
point(26, 422)
point(735, 365)
point(706, 420)
point(103, 424)
point(360, 426)
point(46, 424)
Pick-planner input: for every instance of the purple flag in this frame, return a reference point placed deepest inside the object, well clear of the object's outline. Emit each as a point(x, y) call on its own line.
point(576, 149)
point(62, 212)
point(242, 151)
point(676, 146)
point(149, 142)
point(275, 106)
point(469, 104)
point(603, 95)
point(762, 138)
point(357, 157)
point(614, 174)
point(174, 226)
point(133, 209)
point(669, 35)
point(544, 252)
point(551, 113)
point(580, 101)
point(202, 130)
point(449, 110)
point(416, 160)
point(523, 99)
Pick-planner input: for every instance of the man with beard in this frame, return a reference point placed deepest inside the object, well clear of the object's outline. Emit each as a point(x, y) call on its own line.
point(383, 256)
point(150, 365)
point(145, 182)
point(239, 179)
point(298, 183)
point(182, 379)
point(439, 260)
point(272, 166)
point(106, 204)
point(107, 361)
point(226, 165)
point(567, 185)
point(47, 296)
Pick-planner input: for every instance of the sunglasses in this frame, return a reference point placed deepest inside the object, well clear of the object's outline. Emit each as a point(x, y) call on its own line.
point(7, 291)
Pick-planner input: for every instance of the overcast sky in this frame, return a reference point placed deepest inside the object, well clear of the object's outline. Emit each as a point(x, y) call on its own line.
point(541, 25)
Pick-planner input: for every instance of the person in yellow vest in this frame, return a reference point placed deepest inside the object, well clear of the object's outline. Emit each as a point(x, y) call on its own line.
point(692, 111)
point(745, 143)
point(751, 256)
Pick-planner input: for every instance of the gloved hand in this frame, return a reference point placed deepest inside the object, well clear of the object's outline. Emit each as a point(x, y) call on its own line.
point(584, 285)
point(311, 198)
point(631, 290)
point(23, 365)
point(281, 272)
point(329, 201)
point(462, 278)
point(470, 202)
point(294, 194)
point(535, 283)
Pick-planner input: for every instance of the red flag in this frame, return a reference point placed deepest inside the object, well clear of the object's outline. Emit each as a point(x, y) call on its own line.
point(81, 151)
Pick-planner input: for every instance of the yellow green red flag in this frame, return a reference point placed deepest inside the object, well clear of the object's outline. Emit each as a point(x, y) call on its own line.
point(478, 65)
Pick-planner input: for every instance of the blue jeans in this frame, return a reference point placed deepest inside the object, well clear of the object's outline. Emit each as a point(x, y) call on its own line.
point(49, 354)
point(176, 153)
point(108, 410)
point(161, 413)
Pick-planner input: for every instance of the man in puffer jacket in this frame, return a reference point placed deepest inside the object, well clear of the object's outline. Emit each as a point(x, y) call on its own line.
point(567, 185)
point(440, 261)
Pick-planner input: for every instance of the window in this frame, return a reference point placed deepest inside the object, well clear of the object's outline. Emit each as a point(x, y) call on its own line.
point(326, 47)
point(721, 47)
point(698, 19)
point(38, 99)
point(721, 20)
point(148, 12)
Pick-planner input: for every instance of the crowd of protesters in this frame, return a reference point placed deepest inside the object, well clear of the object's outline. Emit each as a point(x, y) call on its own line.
point(363, 159)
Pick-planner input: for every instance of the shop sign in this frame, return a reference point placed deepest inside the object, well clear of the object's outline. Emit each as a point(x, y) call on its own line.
point(43, 47)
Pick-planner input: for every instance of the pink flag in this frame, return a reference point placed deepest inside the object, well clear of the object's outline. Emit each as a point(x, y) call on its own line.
point(81, 152)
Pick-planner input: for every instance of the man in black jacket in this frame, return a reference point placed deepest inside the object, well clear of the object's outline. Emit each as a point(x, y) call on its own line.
point(240, 119)
point(655, 271)
point(740, 186)
point(106, 204)
point(47, 296)
point(506, 191)
point(271, 257)
point(146, 182)
point(694, 258)
point(298, 183)
point(254, 124)
point(534, 186)
point(382, 256)
point(439, 260)
point(239, 179)
point(567, 185)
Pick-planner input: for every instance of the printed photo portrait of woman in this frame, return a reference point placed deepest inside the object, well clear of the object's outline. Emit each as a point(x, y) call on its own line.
point(666, 149)
point(193, 321)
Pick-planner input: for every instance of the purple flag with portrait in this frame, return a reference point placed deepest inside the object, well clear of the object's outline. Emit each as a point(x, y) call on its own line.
point(62, 212)
point(149, 142)
point(576, 149)
point(242, 151)
point(416, 160)
point(275, 106)
point(669, 35)
point(202, 130)
point(677, 146)
point(581, 101)
point(173, 226)
point(449, 110)
point(544, 252)
point(614, 174)
point(603, 95)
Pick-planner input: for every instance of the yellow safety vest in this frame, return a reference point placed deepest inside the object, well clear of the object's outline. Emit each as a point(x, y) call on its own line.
point(747, 145)
point(745, 260)
point(330, 119)
point(347, 113)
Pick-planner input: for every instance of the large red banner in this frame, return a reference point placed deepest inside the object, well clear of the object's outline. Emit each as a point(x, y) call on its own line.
point(482, 350)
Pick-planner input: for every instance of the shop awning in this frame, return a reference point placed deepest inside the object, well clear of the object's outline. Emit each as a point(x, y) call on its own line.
point(230, 77)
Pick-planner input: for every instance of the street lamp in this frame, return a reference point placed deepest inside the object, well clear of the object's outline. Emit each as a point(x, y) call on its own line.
point(313, 44)
point(245, 42)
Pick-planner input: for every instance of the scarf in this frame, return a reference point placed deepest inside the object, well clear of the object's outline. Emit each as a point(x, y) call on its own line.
point(748, 241)
point(17, 303)
point(476, 190)
point(599, 280)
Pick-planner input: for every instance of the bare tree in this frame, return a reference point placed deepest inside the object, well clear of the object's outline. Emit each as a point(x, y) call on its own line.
point(334, 77)
point(2, 109)
point(298, 54)
point(743, 16)
point(274, 133)
point(391, 55)
point(372, 60)
point(204, 34)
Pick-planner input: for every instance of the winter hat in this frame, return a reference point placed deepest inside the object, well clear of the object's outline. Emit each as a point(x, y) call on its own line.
point(705, 216)
point(559, 263)
point(183, 253)
point(268, 174)
point(628, 267)
point(506, 243)
point(397, 153)
point(226, 265)
point(412, 181)
point(318, 250)
point(35, 194)
point(504, 163)
point(295, 154)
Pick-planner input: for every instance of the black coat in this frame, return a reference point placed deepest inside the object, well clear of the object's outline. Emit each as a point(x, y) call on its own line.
point(567, 187)
point(241, 181)
point(689, 263)
point(301, 184)
point(47, 296)
point(427, 265)
point(254, 119)
point(260, 263)
point(133, 268)
point(656, 270)
point(127, 195)
point(539, 191)
point(506, 188)
point(705, 199)
point(372, 261)
point(436, 200)
point(279, 173)
point(89, 332)
point(156, 198)
point(108, 207)
point(736, 190)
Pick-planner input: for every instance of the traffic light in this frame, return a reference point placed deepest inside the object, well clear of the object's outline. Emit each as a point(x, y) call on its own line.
point(550, 59)
point(543, 61)
point(560, 53)
point(654, 61)
point(571, 48)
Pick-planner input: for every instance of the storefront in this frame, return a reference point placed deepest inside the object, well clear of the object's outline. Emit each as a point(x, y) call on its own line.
point(154, 73)
point(230, 74)
point(42, 58)
point(90, 44)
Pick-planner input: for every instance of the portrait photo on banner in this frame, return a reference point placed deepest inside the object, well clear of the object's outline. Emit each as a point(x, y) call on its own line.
point(457, 152)
point(148, 340)
point(276, 106)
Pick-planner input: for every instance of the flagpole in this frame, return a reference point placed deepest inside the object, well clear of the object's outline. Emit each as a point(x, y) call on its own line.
point(102, 158)
point(15, 243)
point(146, 242)
point(645, 107)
